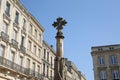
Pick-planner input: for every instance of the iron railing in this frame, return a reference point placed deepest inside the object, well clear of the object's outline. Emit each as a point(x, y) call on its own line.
point(23, 28)
point(14, 43)
point(51, 78)
point(9, 64)
point(33, 73)
point(19, 69)
point(4, 37)
point(7, 13)
point(23, 49)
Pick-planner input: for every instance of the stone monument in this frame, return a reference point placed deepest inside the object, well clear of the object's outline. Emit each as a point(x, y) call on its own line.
point(59, 73)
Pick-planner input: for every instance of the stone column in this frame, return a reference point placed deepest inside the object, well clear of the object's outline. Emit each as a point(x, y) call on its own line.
point(59, 60)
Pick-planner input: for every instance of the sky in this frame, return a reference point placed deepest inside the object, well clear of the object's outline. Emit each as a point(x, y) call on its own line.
point(90, 23)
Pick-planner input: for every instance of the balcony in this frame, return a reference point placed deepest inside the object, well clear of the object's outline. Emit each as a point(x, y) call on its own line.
point(23, 31)
point(16, 25)
point(22, 49)
point(23, 28)
point(4, 37)
point(7, 13)
point(51, 78)
point(33, 73)
point(14, 43)
point(11, 65)
point(6, 16)
point(43, 59)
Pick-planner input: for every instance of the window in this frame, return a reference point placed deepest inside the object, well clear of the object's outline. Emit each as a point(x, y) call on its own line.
point(113, 59)
point(14, 34)
point(29, 45)
point(43, 69)
point(4, 27)
point(44, 53)
point(39, 53)
point(16, 17)
point(7, 11)
point(103, 75)
point(38, 69)
point(12, 55)
point(115, 74)
point(51, 74)
point(34, 49)
point(47, 71)
point(40, 37)
point(33, 66)
point(24, 23)
point(100, 49)
point(47, 56)
point(30, 29)
point(111, 48)
point(35, 35)
point(22, 41)
point(101, 60)
point(28, 63)
point(51, 61)
point(0, 2)
point(20, 60)
point(2, 50)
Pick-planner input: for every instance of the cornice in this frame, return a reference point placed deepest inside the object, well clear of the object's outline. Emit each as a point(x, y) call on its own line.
point(105, 51)
point(28, 14)
point(46, 45)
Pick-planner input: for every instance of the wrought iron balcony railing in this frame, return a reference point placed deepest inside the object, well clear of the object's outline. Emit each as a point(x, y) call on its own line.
point(7, 13)
point(23, 49)
point(4, 37)
point(23, 28)
point(16, 24)
point(33, 73)
point(51, 78)
point(19, 69)
point(14, 43)
point(9, 64)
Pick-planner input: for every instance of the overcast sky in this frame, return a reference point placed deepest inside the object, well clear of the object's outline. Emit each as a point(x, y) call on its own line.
point(90, 23)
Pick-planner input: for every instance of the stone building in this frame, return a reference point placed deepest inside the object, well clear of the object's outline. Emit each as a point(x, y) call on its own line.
point(24, 55)
point(72, 72)
point(48, 56)
point(106, 62)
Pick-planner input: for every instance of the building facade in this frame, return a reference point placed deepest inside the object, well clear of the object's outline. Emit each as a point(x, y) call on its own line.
point(24, 55)
point(48, 56)
point(106, 62)
point(72, 72)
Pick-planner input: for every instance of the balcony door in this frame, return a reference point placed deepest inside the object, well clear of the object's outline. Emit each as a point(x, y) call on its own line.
point(2, 49)
point(4, 27)
point(12, 55)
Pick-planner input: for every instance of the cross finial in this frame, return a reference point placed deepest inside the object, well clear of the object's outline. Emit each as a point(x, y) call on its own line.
point(59, 23)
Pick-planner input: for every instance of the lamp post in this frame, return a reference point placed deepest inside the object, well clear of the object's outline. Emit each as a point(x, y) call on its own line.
point(59, 60)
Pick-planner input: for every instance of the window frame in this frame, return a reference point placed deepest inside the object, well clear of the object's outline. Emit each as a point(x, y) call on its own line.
point(14, 34)
point(4, 27)
point(24, 23)
point(103, 75)
point(7, 10)
point(17, 17)
point(29, 45)
point(20, 60)
point(30, 29)
point(113, 59)
point(115, 74)
point(3, 50)
point(34, 49)
point(101, 60)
